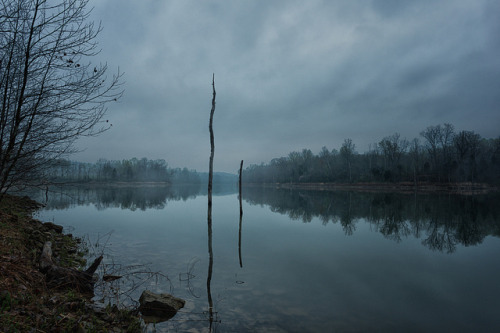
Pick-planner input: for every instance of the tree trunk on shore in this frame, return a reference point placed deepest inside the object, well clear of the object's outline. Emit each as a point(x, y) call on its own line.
point(61, 277)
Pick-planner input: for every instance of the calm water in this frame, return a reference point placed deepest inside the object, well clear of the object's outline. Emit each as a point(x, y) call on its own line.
point(300, 261)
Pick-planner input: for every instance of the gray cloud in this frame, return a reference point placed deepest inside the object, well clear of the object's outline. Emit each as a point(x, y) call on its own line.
point(293, 75)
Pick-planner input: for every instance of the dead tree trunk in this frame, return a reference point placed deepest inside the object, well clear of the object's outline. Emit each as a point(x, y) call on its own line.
point(61, 277)
point(239, 188)
point(209, 213)
point(212, 147)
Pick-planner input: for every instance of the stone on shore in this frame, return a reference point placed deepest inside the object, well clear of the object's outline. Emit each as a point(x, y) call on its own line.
point(159, 307)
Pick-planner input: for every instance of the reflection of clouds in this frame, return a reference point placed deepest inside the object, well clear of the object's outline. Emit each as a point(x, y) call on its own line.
point(442, 220)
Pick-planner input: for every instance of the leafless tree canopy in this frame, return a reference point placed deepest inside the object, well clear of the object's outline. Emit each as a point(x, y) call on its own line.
point(50, 92)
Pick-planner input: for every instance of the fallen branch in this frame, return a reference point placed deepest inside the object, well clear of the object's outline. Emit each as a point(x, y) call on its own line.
point(61, 277)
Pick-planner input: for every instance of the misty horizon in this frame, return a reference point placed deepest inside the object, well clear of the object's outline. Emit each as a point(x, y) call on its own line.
point(374, 145)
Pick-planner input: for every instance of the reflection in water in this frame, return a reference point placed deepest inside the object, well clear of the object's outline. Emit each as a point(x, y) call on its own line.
point(304, 277)
point(442, 220)
point(210, 259)
point(239, 239)
point(125, 197)
point(210, 269)
point(241, 214)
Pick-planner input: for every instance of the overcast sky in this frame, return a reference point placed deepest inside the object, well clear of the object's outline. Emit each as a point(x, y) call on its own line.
point(292, 74)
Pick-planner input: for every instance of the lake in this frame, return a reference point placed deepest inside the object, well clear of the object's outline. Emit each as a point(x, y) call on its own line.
point(298, 261)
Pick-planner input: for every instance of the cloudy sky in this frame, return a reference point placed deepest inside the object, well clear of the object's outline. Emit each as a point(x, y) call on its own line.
point(292, 74)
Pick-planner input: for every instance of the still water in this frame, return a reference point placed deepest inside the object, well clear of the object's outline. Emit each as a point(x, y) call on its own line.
point(298, 261)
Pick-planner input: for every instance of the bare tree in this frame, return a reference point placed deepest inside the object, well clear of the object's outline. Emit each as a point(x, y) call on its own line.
point(393, 148)
point(432, 135)
point(50, 92)
point(439, 142)
point(347, 151)
point(415, 157)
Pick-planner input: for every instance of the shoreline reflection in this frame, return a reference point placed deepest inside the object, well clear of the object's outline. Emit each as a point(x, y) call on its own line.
point(443, 221)
point(125, 196)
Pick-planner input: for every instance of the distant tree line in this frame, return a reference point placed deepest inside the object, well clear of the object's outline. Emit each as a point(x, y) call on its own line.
point(440, 155)
point(132, 170)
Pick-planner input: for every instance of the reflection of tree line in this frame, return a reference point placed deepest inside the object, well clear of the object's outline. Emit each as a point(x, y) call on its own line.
point(133, 198)
point(442, 220)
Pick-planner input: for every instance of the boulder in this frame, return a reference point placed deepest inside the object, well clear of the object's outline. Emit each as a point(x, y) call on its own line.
point(159, 307)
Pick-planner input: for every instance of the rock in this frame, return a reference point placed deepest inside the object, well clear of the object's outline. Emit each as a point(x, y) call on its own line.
point(46, 257)
point(159, 307)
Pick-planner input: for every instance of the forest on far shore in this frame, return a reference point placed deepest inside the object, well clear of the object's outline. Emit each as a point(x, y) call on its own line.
point(440, 155)
point(132, 170)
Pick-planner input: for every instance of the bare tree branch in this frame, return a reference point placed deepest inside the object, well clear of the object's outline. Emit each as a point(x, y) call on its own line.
point(50, 92)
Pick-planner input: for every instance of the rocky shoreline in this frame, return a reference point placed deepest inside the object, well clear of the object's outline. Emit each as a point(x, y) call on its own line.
point(28, 303)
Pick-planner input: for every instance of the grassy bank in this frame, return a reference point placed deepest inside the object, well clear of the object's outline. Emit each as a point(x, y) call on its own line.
point(27, 304)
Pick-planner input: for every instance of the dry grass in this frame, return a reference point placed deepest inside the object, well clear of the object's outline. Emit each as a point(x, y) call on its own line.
point(26, 304)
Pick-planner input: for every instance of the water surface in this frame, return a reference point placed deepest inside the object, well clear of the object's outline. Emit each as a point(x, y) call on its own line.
point(300, 261)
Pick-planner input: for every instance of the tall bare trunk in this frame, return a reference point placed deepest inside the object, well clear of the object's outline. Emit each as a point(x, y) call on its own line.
point(209, 213)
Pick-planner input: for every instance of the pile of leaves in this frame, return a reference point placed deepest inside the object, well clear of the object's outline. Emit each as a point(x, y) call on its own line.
point(26, 302)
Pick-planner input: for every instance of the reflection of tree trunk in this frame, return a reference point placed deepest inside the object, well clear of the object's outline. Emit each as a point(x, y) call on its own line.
point(241, 215)
point(239, 241)
point(415, 215)
point(209, 275)
point(209, 213)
